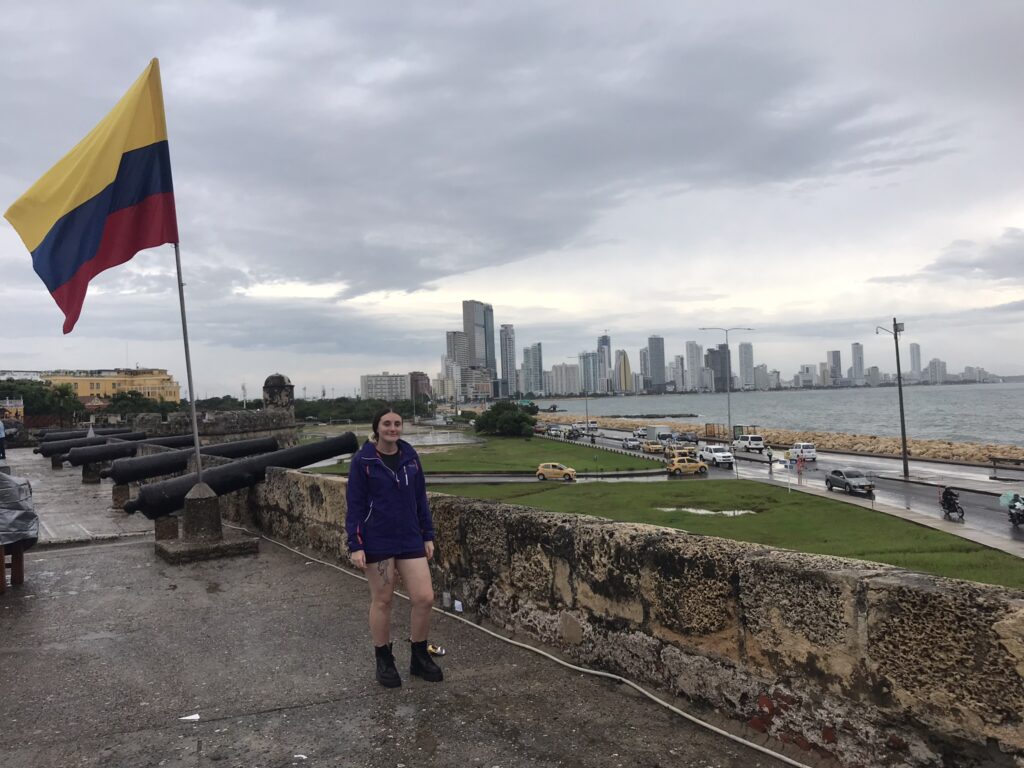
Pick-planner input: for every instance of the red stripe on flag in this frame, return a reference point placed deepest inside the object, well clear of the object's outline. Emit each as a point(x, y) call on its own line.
point(150, 223)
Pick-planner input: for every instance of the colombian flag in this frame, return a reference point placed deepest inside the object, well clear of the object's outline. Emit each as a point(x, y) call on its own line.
point(107, 199)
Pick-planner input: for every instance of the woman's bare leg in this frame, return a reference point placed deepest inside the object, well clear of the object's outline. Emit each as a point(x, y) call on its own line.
point(416, 576)
point(381, 577)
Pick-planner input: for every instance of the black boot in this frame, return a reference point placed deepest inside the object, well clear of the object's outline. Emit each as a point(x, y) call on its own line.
point(387, 674)
point(422, 665)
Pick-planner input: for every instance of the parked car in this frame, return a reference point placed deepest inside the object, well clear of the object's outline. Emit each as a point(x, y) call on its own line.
point(652, 446)
point(804, 451)
point(718, 455)
point(749, 443)
point(684, 465)
point(850, 480)
point(539, 429)
point(552, 470)
point(631, 443)
point(640, 432)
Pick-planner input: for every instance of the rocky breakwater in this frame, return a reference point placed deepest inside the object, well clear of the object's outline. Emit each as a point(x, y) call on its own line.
point(942, 450)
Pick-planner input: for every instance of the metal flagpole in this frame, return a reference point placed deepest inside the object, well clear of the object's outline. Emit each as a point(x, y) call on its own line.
point(188, 367)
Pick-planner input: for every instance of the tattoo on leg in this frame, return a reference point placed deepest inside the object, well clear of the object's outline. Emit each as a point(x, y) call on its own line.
point(382, 571)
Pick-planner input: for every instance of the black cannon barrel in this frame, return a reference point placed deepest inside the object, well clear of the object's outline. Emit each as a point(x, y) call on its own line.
point(127, 470)
point(49, 437)
point(163, 498)
point(91, 454)
point(63, 446)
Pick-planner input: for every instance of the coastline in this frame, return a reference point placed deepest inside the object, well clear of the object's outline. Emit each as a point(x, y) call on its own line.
point(942, 450)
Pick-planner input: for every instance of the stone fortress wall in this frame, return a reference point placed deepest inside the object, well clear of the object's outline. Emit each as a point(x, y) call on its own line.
point(222, 426)
point(867, 663)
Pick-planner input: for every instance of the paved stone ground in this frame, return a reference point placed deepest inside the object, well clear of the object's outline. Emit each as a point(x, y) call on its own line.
point(105, 648)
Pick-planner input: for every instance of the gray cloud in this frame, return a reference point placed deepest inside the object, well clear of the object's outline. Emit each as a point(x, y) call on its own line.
point(1000, 260)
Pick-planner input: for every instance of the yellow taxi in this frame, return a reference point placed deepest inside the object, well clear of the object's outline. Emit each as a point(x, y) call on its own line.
point(680, 453)
point(686, 465)
point(552, 470)
point(652, 446)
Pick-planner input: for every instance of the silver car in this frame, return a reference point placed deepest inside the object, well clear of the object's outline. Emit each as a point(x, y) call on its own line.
point(850, 480)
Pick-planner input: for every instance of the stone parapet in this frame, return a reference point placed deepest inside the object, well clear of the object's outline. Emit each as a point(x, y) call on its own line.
point(223, 426)
point(867, 663)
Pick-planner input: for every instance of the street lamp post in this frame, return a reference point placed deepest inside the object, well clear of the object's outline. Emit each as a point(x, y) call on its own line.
point(897, 329)
point(728, 370)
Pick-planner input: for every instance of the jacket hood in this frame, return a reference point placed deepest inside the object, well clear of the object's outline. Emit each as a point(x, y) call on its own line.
point(369, 450)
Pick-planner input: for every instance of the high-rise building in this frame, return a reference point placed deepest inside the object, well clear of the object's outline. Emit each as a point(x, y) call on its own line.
point(457, 347)
point(936, 373)
point(857, 350)
point(679, 373)
point(915, 362)
point(747, 365)
point(622, 373)
point(419, 384)
point(807, 376)
point(835, 369)
point(565, 379)
point(533, 368)
point(478, 325)
point(873, 376)
point(694, 366)
point(718, 360)
point(761, 381)
point(508, 361)
point(604, 362)
point(384, 386)
point(588, 372)
point(656, 362)
point(824, 374)
point(645, 363)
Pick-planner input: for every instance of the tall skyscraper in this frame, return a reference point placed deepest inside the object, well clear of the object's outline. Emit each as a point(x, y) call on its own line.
point(588, 371)
point(718, 360)
point(508, 361)
point(656, 362)
point(645, 363)
point(679, 373)
point(457, 347)
point(478, 325)
point(857, 350)
point(533, 368)
point(747, 365)
point(835, 368)
point(915, 362)
point(694, 366)
point(604, 362)
point(622, 374)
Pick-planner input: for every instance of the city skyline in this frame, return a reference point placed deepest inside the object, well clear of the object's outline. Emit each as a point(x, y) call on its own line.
point(345, 176)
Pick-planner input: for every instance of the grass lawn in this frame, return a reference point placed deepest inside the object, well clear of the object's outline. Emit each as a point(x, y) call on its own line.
point(795, 521)
point(509, 454)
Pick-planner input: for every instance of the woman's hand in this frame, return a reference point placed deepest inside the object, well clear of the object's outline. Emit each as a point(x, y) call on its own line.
point(429, 547)
point(358, 559)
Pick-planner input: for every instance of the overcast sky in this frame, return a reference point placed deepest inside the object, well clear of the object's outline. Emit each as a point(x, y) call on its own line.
point(347, 173)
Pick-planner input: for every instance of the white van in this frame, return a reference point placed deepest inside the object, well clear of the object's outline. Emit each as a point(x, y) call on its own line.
point(804, 451)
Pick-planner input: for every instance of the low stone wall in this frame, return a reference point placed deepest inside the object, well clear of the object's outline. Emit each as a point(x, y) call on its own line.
point(222, 426)
point(866, 663)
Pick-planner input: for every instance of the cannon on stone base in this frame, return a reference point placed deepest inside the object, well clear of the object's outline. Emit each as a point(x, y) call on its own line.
point(94, 454)
point(159, 499)
point(124, 471)
point(49, 436)
point(60, 447)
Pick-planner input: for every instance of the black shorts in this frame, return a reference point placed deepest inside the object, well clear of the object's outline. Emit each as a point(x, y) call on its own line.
point(376, 558)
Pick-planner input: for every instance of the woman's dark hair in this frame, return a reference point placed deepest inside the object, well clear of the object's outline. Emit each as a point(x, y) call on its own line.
point(378, 416)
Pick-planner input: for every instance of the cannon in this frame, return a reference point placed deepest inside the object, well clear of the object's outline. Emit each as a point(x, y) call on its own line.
point(94, 454)
point(123, 471)
point(159, 499)
point(58, 447)
point(48, 436)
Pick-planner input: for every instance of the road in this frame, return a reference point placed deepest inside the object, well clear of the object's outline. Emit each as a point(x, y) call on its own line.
point(978, 494)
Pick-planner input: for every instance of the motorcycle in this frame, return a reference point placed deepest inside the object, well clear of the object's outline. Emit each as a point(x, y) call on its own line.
point(1014, 504)
point(950, 503)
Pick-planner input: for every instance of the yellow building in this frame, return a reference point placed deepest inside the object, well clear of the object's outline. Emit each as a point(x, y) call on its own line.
point(154, 383)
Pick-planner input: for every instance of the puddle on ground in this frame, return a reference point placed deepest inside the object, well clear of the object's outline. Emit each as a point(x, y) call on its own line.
point(695, 511)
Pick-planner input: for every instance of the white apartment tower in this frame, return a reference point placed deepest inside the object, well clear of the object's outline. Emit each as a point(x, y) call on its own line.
point(694, 366)
point(746, 365)
point(915, 362)
point(857, 350)
point(508, 360)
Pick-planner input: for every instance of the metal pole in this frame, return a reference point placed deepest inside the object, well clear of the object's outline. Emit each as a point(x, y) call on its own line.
point(728, 385)
point(188, 367)
point(899, 387)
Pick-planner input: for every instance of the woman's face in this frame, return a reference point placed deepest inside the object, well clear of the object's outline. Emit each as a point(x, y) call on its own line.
point(390, 427)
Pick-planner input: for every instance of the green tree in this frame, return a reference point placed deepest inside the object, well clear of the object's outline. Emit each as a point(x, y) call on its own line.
point(505, 418)
point(133, 401)
point(65, 403)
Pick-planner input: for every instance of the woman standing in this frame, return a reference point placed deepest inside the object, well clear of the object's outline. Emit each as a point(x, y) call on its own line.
point(390, 530)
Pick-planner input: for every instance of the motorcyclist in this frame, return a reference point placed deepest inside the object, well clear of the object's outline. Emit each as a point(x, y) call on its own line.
point(949, 496)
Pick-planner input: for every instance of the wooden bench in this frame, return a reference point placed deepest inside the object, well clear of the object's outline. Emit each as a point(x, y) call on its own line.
point(17, 554)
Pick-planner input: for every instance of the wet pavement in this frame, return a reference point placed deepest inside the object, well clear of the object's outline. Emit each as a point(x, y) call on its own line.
point(111, 657)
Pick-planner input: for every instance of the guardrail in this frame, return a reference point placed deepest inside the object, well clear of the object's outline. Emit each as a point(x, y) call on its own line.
point(999, 462)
